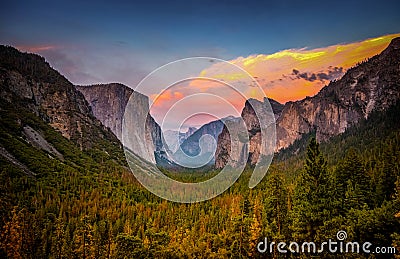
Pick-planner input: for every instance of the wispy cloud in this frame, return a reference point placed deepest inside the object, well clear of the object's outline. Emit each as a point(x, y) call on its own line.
point(36, 48)
point(296, 73)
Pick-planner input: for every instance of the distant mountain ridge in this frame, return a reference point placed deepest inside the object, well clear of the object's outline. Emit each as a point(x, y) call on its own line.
point(202, 143)
point(224, 145)
point(83, 116)
point(191, 145)
point(175, 138)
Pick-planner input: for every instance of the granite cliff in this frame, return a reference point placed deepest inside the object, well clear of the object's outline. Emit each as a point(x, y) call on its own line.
point(202, 143)
point(371, 85)
point(253, 147)
point(108, 103)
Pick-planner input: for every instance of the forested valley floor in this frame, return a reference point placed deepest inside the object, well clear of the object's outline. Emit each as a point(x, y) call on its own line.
point(90, 206)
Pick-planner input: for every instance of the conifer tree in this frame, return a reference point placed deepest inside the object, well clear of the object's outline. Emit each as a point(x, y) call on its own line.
point(311, 201)
point(83, 239)
point(352, 185)
point(11, 236)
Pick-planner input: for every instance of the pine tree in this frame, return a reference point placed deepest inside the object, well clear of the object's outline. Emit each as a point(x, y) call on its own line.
point(352, 184)
point(11, 236)
point(276, 206)
point(255, 233)
point(58, 238)
point(129, 247)
point(83, 239)
point(396, 236)
point(311, 201)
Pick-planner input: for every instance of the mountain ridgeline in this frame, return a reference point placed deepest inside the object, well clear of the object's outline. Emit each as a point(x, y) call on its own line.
point(370, 86)
point(80, 115)
point(175, 138)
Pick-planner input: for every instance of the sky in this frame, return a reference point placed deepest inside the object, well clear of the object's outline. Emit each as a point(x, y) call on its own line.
point(292, 48)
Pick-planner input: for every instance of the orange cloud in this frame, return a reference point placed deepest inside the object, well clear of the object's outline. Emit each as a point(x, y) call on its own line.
point(166, 96)
point(296, 73)
point(35, 49)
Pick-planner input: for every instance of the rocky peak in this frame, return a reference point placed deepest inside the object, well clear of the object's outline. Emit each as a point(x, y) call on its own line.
point(175, 138)
point(393, 47)
point(371, 85)
point(191, 145)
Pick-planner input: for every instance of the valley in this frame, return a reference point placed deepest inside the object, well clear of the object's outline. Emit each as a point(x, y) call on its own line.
point(67, 191)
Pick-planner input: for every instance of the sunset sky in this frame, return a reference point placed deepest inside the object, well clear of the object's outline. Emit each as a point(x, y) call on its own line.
point(292, 48)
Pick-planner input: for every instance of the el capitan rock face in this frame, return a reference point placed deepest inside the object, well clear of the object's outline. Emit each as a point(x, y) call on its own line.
point(108, 102)
point(372, 85)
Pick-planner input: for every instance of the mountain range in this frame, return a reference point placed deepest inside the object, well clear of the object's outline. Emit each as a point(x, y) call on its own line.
point(175, 138)
point(88, 114)
point(29, 85)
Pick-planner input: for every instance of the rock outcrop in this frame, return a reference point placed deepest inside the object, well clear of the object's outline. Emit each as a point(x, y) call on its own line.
point(108, 103)
point(191, 144)
point(371, 85)
point(175, 138)
point(199, 148)
point(252, 122)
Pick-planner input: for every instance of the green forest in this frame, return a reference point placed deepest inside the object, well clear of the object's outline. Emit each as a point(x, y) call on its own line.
point(89, 205)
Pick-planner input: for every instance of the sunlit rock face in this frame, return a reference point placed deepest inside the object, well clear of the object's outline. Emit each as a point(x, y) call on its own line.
point(371, 85)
